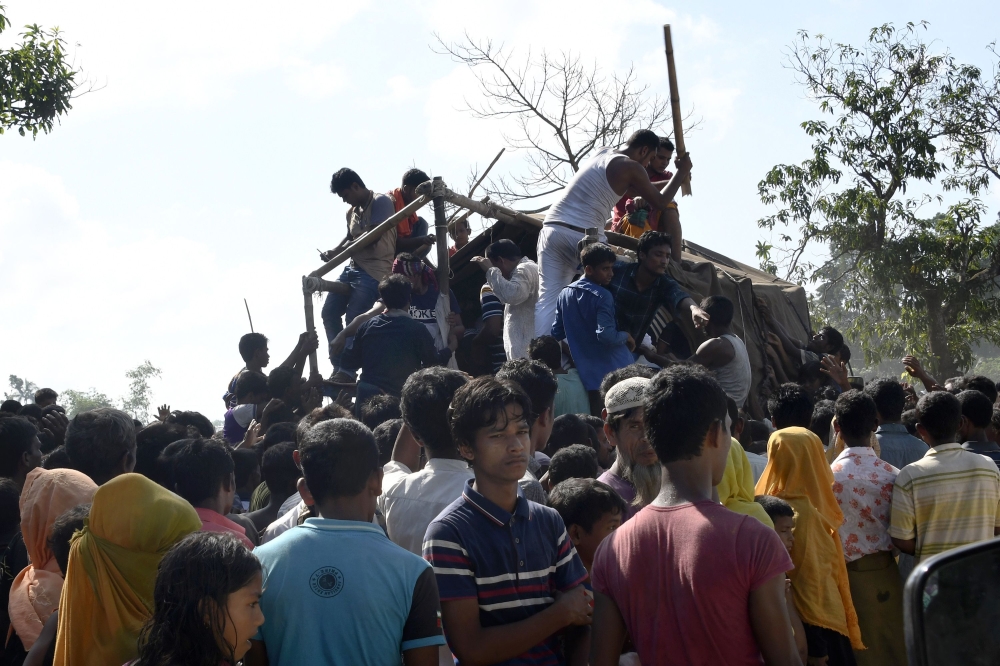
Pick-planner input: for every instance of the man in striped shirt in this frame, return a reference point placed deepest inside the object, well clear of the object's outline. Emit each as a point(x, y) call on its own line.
point(948, 498)
point(511, 582)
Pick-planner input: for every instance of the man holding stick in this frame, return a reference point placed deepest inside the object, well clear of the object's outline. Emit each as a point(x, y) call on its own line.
point(586, 204)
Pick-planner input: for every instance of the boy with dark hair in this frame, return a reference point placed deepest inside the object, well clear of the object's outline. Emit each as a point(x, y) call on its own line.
point(896, 445)
point(513, 278)
point(255, 354)
point(509, 576)
point(390, 347)
point(572, 397)
point(203, 475)
point(45, 397)
point(378, 409)
point(948, 498)
point(591, 510)
point(790, 407)
point(656, 594)
point(566, 429)
point(414, 500)
point(251, 396)
point(281, 475)
point(336, 590)
point(576, 461)
point(101, 443)
point(385, 438)
point(984, 385)
point(247, 472)
point(585, 319)
point(459, 231)
point(411, 234)
point(827, 341)
point(977, 415)
point(20, 449)
point(540, 384)
point(599, 439)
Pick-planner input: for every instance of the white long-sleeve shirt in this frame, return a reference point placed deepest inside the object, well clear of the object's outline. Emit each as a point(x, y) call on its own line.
point(519, 295)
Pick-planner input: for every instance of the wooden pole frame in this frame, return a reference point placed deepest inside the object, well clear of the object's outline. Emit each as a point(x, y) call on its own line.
point(443, 258)
point(675, 105)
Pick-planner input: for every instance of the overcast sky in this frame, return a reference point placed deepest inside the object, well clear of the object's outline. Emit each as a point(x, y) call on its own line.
point(198, 174)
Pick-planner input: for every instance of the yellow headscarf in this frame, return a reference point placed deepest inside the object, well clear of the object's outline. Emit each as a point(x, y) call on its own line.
point(108, 593)
point(736, 488)
point(34, 595)
point(798, 473)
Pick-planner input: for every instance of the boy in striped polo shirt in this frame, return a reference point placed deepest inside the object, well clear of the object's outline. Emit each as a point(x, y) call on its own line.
point(512, 586)
point(948, 498)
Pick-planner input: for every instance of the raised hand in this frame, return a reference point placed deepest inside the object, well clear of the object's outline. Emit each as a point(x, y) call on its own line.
point(54, 425)
point(164, 412)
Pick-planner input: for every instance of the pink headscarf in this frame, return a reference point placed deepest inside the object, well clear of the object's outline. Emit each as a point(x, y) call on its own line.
point(418, 267)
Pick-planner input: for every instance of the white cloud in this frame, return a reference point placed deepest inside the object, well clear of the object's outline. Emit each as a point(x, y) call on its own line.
point(316, 81)
point(715, 106)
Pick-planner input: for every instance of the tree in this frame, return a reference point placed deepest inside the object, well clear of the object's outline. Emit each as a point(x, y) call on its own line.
point(563, 109)
point(916, 283)
point(22, 390)
point(83, 401)
point(139, 392)
point(36, 80)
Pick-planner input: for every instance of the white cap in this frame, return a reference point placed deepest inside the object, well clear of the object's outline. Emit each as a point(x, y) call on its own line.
point(626, 395)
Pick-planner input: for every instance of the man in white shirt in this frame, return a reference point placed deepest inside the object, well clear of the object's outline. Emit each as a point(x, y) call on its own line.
point(411, 503)
point(514, 280)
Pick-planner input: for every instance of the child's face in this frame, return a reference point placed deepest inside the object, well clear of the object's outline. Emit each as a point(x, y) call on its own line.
point(587, 542)
point(243, 617)
point(784, 525)
point(500, 450)
point(461, 234)
point(601, 273)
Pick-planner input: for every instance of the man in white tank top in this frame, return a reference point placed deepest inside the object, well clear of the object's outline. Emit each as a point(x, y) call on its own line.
point(586, 203)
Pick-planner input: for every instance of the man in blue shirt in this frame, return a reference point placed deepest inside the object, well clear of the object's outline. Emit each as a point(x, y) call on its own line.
point(337, 592)
point(511, 582)
point(896, 446)
point(585, 318)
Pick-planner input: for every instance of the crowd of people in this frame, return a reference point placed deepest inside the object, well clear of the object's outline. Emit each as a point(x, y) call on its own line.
point(543, 485)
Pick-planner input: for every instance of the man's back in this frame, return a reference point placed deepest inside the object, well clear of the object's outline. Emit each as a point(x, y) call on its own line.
point(897, 446)
point(588, 198)
point(586, 312)
point(339, 592)
point(390, 349)
point(682, 576)
point(948, 498)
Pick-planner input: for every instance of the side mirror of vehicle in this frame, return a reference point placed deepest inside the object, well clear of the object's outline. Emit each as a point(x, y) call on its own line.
point(951, 604)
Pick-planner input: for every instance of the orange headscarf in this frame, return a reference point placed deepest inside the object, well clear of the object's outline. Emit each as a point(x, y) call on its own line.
point(405, 228)
point(798, 473)
point(34, 595)
point(108, 593)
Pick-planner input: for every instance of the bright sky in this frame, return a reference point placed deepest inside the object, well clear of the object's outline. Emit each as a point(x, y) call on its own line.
point(198, 175)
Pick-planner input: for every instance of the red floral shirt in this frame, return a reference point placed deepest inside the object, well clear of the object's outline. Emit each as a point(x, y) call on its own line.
point(862, 484)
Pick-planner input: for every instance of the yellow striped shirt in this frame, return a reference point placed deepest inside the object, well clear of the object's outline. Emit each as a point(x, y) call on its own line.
point(948, 498)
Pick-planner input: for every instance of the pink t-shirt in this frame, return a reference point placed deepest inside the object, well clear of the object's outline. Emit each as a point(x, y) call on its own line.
point(682, 576)
point(212, 521)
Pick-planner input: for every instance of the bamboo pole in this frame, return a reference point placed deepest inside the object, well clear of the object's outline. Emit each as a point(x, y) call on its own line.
point(675, 105)
point(310, 327)
point(441, 225)
point(490, 210)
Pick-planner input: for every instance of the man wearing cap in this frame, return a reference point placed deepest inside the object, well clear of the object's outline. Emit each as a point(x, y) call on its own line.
point(635, 474)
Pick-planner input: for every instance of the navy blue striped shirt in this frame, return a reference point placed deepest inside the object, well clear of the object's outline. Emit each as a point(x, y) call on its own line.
point(512, 563)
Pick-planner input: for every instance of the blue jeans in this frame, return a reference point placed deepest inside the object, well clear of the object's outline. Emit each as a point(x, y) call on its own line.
point(364, 293)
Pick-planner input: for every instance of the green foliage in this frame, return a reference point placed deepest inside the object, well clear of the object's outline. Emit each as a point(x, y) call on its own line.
point(22, 390)
point(898, 281)
point(83, 401)
point(36, 80)
point(139, 393)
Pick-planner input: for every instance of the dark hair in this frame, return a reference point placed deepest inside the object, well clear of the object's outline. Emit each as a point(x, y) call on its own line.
point(844, 353)
point(576, 461)
point(196, 420)
point(250, 343)
point(337, 458)
point(889, 397)
point(413, 177)
point(535, 379)
point(378, 409)
point(343, 179)
point(596, 254)
point(10, 506)
point(621, 374)
point(940, 413)
point(719, 309)
point(790, 406)
point(650, 239)
point(279, 381)
point(567, 429)
point(834, 338)
point(424, 404)
point(482, 403)
point(318, 415)
point(57, 458)
point(97, 440)
point(666, 144)
point(279, 470)
point(63, 528)
point(583, 501)
point(251, 383)
point(16, 435)
point(643, 138)
point(909, 421)
point(682, 403)
point(385, 438)
point(10, 406)
point(31, 410)
point(164, 471)
point(244, 463)
point(276, 411)
point(856, 414)
point(194, 580)
point(45, 393)
point(150, 442)
point(984, 385)
point(976, 407)
point(821, 420)
point(775, 507)
point(276, 434)
point(395, 291)
point(545, 349)
point(504, 249)
point(201, 468)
